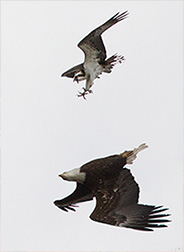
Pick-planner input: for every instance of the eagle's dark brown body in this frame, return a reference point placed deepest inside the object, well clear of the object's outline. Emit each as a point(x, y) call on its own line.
point(102, 170)
point(116, 193)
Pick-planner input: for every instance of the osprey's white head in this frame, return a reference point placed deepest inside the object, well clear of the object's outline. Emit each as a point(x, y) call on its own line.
point(74, 175)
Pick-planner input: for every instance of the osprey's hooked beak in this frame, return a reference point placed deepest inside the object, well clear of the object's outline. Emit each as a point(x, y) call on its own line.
point(63, 175)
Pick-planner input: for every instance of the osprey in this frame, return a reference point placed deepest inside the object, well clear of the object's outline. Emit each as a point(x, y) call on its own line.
point(95, 56)
point(116, 193)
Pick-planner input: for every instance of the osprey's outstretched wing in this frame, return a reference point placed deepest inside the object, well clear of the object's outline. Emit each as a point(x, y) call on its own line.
point(92, 45)
point(73, 71)
point(117, 205)
point(81, 194)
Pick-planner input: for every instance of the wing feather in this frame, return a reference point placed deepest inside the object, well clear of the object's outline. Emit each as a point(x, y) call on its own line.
point(81, 194)
point(74, 70)
point(112, 21)
point(93, 44)
point(117, 205)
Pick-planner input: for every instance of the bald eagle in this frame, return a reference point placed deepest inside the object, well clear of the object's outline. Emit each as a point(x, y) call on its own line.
point(116, 193)
point(95, 56)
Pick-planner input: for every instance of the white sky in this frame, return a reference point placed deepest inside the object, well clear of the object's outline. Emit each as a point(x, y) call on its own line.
point(47, 129)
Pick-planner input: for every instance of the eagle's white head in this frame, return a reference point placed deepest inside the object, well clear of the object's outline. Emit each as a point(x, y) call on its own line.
point(74, 175)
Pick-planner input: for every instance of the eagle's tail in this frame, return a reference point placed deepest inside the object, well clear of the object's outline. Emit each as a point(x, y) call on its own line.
point(111, 62)
point(131, 155)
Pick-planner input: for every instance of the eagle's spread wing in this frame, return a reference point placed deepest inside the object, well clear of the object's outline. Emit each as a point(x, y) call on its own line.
point(74, 70)
point(117, 205)
point(92, 45)
point(81, 194)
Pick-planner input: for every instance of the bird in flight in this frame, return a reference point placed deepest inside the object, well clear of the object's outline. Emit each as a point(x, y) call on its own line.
point(95, 61)
point(116, 193)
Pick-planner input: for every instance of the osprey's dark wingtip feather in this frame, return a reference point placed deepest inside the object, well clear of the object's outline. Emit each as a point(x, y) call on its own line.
point(118, 17)
point(112, 21)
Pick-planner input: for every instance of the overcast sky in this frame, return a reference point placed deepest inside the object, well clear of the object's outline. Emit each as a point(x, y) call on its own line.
point(47, 129)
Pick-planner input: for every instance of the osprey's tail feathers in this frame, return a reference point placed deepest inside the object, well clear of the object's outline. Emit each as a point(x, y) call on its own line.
point(112, 21)
point(142, 217)
point(131, 155)
point(111, 62)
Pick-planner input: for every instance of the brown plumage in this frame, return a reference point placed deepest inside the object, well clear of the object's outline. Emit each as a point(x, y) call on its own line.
point(116, 193)
point(95, 56)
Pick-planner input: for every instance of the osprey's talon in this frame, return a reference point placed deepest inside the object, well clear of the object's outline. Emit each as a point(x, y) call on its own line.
point(82, 94)
point(85, 93)
point(95, 62)
point(76, 80)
